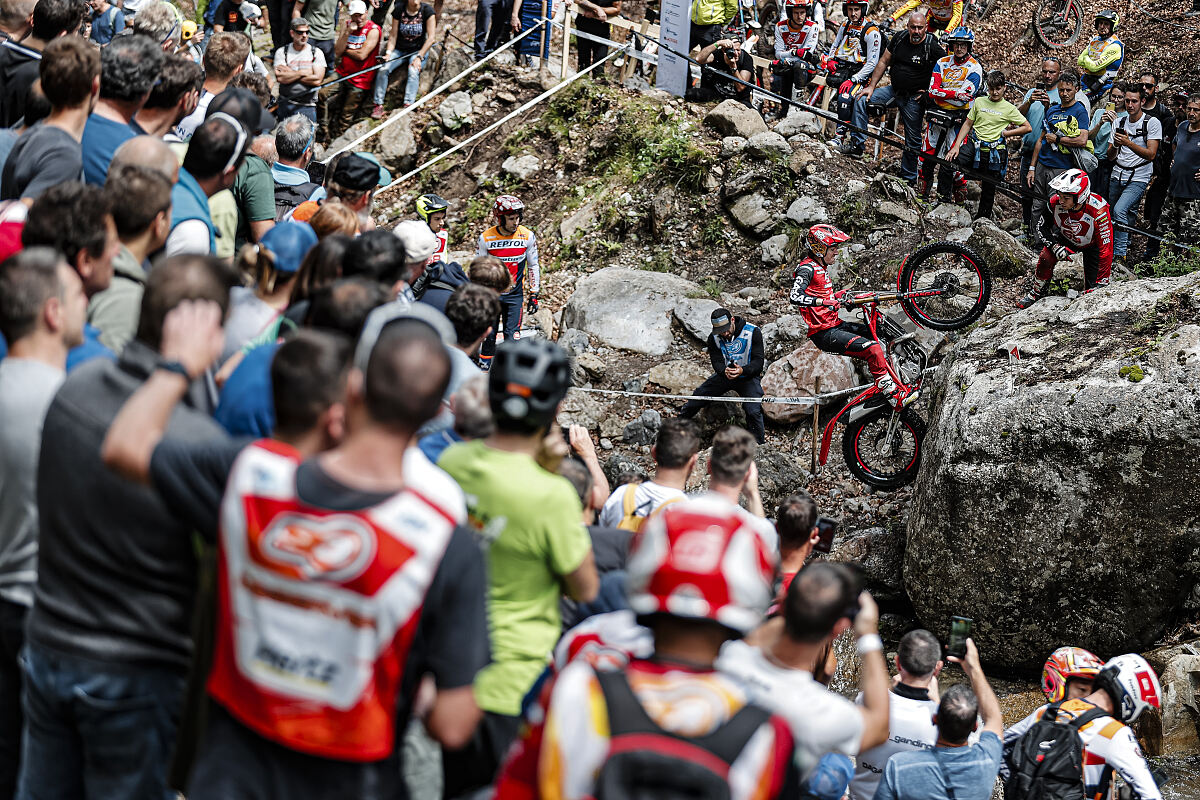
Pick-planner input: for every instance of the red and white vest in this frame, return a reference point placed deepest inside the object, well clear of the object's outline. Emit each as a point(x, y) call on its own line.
point(317, 608)
point(440, 253)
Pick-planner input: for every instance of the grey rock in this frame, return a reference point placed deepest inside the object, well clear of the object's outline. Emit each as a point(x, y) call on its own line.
point(1077, 476)
point(805, 372)
point(397, 146)
point(651, 419)
point(679, 377)
point(353, 132)
point(783, 336)
point(578, 221)
point(636, 434)
point(949, 215)
point(779, 474)
point(592, 364)
point(752, 213)
point(634, 384)
point(627, 308)
point(1177, 732)
point(768, 144)
point(522, 167)
point(1000, 250)
point(696, 316)
point(574, 341)
point(798, 121)
point(455, 111)
point(622, 464)
point(880, 553)
point(505, 58)
point(606, 444)
point(754, 293)
point(807, 210)
point(732, 145)
point(507, 98)
point(731, 118)
point(896, 211)
point(855, 186)
point(581, 408)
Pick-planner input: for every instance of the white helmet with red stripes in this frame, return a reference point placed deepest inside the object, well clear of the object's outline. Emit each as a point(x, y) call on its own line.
point(508, 204)
point(702, 559)
point(1073, 183)
point(1132, 684)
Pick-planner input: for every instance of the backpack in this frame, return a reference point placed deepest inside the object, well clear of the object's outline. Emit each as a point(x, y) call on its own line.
point(288, 197)
point(630, 521)
point(646, 762)
point(1046, 762)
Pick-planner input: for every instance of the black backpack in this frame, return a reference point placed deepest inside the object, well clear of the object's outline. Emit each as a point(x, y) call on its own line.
point(646, 762)
point(1046, 763)
point(288, 197)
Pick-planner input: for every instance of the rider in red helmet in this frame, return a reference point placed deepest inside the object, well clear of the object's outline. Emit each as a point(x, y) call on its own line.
point(813, 292)
point(1070, 672)
point(515, 245)
point(1076, 220)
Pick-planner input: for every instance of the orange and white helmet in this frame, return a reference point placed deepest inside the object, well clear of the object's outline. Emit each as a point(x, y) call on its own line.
point(1132, 684)
point(508, 204)
point(1073, 183)
point(702, 559)
point(822, 237)
point(1066, 663)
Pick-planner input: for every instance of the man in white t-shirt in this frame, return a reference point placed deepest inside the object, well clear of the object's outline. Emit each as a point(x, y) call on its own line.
point(822, 602)
point(299, 69)
point(912, 703)
point(1135, 143)
point(675, 453)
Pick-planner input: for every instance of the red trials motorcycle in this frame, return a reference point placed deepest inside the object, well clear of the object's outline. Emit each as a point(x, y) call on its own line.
point(944, 286)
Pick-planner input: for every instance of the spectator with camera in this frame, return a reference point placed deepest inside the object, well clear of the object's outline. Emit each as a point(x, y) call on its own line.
point(953, 769)
point(724, 57)
point(1136, 140)
point(1064, 130)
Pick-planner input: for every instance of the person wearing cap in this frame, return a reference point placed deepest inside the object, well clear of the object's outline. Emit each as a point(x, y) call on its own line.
point(699, 575)
point(353, 181)
point(530, 520)
point(735, 349)
point(107, 21)
point(273, 263)
point(211, 164)
point(419, 244)
point(299, 68)
point(356, 49)
point(302, 712)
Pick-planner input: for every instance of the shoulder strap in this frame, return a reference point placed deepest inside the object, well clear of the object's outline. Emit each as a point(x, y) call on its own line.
point(1088, 716)
point(937, 756)
point(625, 712)
point(629, 501)
point(661, 507)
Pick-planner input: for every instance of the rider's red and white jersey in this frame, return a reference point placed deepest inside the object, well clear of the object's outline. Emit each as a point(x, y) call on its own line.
point(317, 609)
point(1090, 225)
point(954, 83)
point(792, 41)
point(1106, 743)
point(606, 641)
point(440, 253)
point(811, 290)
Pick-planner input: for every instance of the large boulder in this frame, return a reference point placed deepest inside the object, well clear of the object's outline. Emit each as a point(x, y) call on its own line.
point(397, 147)
point(798, 374)
point(807, 210)
point(1000, 250)
point(679, 377)
point(768, 144)
point(731, 118)
point(1056, 500)
point(1175, 730)
point(753, 212)
point(695, 314)
point(627, 308)
point(798, 121)
point(879, 552)
point(783, 335)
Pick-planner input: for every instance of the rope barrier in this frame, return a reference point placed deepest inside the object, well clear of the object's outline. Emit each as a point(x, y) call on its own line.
point(400, 114)
point(525, 107)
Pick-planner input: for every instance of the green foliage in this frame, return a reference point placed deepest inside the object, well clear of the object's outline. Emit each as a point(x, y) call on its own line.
point(1171, 261)
point(1132, 373)
point(716, 231)
point(660, 262)
point(854, 212)
point(713, 287)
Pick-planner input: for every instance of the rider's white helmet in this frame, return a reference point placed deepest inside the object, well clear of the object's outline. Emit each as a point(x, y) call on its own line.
point(1132, 684)
point(1075, 183)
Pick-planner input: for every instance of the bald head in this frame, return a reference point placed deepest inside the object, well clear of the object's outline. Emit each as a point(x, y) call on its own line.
point(918, 24)
point(147, 151)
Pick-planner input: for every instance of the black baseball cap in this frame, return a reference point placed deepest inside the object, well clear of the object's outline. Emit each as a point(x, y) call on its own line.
point(356, 173)
point(722, 320)
point(242, 105)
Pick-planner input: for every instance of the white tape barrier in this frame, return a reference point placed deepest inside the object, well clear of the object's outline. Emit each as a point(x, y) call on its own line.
point(396, 116)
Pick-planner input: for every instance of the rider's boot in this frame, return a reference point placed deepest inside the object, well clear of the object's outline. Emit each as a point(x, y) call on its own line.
point(1038, 291)
point(899, 396)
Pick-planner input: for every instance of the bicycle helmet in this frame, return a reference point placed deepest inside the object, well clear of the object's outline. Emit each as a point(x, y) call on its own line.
point(508, 204)
point(430, 204)
point(822, 237)
point(527, 381)
point(1066, 663)
point(1073, 183)
point(1110, 15)
point(701, 559)
point(1132, 685)
point(960, 34)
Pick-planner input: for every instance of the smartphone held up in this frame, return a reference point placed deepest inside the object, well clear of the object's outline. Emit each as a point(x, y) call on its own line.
point(960, 631)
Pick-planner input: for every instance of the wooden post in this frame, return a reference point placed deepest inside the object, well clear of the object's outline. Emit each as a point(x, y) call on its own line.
point(827, 95)
point(562, 69)
point(816, 425)
point(543, 60)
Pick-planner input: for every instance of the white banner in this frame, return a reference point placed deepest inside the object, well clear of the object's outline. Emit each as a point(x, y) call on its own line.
point(675, 32)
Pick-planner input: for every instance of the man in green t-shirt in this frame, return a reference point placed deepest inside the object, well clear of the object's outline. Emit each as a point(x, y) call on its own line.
point(984, 155)
point(530, 524)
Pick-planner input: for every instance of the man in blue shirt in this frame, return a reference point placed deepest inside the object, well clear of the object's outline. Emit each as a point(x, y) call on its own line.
point(107, 21)
point(129, 68)
point(953, 768)
point(1064, 129)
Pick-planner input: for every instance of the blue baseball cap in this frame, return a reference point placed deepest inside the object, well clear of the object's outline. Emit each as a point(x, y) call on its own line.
point(288, 242)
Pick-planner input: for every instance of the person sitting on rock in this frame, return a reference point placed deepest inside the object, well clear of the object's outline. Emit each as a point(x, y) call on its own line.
point(1076, 220)
point(813, 292)
point(735, 349)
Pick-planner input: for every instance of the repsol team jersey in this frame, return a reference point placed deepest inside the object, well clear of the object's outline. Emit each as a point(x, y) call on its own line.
point(519, 253)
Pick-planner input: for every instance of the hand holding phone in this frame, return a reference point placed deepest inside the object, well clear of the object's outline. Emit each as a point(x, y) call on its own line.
point(826, 530)
point(960, 630)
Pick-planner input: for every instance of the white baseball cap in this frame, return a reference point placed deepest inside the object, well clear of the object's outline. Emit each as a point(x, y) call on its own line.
point(357, 7)
point(250, 10)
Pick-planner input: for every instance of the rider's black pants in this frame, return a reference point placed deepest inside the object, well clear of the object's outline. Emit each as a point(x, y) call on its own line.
point(852, 339)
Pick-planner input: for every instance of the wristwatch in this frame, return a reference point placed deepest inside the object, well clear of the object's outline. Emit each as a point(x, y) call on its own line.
point(177, 367)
